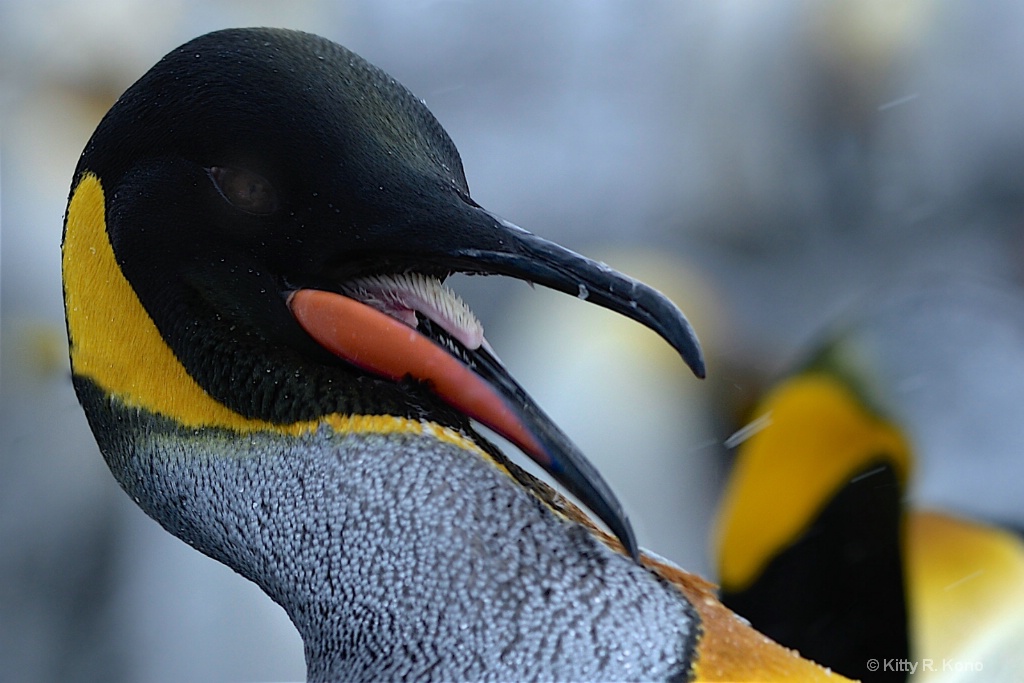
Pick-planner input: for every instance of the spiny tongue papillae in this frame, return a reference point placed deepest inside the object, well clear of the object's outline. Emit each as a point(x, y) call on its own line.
point(403, 295)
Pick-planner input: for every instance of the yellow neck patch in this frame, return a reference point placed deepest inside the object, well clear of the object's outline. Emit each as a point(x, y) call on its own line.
point(819, 434)
point(115, 343)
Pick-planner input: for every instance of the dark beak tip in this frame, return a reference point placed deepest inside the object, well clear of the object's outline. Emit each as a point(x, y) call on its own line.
point(699, 370)
point(684, 340)
point(696, 361)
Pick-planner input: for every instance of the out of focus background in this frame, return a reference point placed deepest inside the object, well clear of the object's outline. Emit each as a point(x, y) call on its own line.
point(782, 170)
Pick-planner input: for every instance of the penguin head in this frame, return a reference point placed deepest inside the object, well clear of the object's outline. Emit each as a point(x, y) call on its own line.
point(248, 163)
point(282, 215)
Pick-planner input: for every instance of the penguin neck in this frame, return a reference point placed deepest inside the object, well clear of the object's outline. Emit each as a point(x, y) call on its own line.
point(401, 553)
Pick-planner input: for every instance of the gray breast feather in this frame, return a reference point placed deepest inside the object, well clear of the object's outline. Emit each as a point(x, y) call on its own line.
point(401, 556)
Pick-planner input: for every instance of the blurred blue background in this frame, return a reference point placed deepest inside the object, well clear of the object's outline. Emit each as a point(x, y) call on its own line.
point(777, 168)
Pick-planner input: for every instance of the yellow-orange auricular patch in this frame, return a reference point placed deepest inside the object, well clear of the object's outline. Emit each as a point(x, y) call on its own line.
point(115, 343)
point(820, 435)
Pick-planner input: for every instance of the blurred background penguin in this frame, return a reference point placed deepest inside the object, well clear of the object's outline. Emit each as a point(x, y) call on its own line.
point(872, 512)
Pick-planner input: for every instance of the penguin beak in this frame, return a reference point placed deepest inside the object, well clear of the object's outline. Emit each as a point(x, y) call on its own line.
point(523, 255)
point(407, 325)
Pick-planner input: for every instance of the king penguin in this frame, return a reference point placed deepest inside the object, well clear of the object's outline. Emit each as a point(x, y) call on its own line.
point(254, 252)
point(822, 546)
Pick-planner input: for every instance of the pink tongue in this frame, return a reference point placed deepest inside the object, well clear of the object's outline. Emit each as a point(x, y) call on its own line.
point(384, 346)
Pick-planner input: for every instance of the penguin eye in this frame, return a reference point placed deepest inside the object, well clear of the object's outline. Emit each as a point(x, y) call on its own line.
point(244, 190)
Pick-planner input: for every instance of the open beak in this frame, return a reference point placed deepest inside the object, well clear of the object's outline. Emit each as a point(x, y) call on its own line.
point(412, 326)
